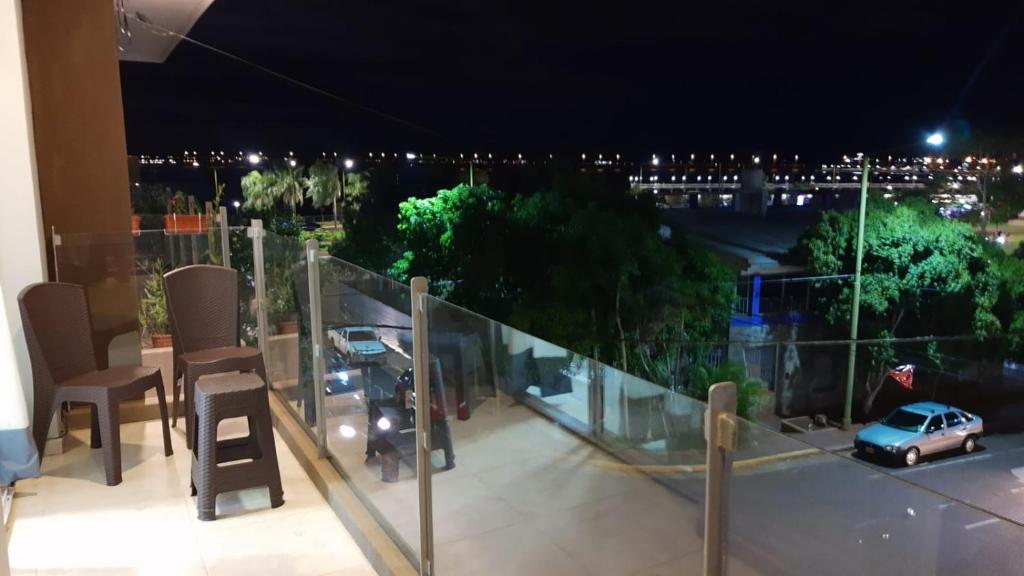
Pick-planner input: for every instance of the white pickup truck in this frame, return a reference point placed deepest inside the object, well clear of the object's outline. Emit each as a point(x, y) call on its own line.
point(358, 343)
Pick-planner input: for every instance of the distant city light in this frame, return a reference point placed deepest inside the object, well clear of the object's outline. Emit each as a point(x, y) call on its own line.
point(349, 163)
point(655, 160)
point(1018, 169)
point(410, 156)
point(936, 139)
point(291, 162)
point(236, 203)
point(195, 163)
point(757, 159)
point(254, 159)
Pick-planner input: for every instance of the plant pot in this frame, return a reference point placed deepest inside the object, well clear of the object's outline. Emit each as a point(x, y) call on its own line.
point(184, 223)
point(287, 326)
point(162, 341)
point(136, 225)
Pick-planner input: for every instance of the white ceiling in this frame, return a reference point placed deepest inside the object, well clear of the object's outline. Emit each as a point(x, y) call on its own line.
point(149, 45)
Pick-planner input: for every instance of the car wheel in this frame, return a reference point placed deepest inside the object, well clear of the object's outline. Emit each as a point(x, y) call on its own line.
point(970, 443)
point(912, 456)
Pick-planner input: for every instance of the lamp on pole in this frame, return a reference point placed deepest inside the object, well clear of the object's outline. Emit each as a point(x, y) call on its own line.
point(855, 312)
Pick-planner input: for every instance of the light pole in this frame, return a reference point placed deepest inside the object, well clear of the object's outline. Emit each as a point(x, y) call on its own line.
point(855, 312)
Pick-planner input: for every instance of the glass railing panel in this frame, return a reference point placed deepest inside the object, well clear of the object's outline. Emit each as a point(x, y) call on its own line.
point(368, 377)
point(289, 350)
point(539, 463)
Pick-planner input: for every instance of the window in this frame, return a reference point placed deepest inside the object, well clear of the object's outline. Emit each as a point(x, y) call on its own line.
point(361, 336)
point(953, 419)
point(967, 417)
point(934, 425)
point(904, 420)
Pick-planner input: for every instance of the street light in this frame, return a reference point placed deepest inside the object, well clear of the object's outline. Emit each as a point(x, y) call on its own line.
point(349, 163)
point(1018, 169)
point(254, 159)
point(936, 139)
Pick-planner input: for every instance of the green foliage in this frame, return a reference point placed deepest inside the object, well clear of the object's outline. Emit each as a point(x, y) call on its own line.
point(258, 190)
point(262, 190)
point(322, 185)
point(153, 305)
point(1005, 198)
point(922, 275)
point(178, 204)
point(288, 184)
point(581, 264)
point(750, 392)
point(914, 262)
point(327, 237)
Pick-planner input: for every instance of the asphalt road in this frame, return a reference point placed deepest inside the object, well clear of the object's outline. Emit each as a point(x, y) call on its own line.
point(992, 478)
point(832, 515)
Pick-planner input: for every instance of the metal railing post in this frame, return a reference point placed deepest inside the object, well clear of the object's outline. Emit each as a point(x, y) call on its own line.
point(225, 237)
point(721, 429)
point(257, 234)
point(421, 385)
point(596, 399)
point(316, 330)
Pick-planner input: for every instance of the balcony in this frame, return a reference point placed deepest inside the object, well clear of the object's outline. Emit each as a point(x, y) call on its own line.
point(541, 461)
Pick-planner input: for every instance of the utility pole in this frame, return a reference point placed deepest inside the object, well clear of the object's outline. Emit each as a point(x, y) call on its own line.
point(855, 312)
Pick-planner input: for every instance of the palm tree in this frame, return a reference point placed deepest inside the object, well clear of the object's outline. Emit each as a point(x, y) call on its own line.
point(356, 187)
point(323, 186)
point(258, 190)
point(287, 185)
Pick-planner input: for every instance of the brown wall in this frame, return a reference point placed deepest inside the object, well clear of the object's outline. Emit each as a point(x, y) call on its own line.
point(77, 115)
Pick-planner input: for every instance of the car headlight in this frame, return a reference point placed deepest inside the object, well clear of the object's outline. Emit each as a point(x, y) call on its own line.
point(890, 448)
point(384, 423)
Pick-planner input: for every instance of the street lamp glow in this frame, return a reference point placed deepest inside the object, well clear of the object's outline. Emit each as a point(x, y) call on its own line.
point(349, 163)
point(936, 139)
point(410, 156)
point(655, 160)
point(1018, 169)
point(291, 162)
point(254, 159)
point(236, 203)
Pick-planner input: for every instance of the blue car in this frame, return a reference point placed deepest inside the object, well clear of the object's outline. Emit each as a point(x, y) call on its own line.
point(920, 429)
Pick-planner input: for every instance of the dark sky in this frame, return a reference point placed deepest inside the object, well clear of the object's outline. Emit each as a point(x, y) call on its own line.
point(634, 77)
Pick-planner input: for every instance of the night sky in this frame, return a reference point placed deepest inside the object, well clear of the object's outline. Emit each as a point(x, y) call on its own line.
point(631, 77)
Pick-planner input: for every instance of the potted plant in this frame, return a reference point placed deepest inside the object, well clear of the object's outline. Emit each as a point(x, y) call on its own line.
point(153, 307)
point(281, 307)
point(180, 218)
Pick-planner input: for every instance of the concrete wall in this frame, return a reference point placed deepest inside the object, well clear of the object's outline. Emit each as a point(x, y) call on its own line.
point(21, 240)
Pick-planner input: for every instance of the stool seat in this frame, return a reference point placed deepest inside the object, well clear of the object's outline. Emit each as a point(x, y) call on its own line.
point(223, 396)
point(228, 383)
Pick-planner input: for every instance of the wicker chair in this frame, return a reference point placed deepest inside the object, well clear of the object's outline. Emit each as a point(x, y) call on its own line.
point(202, 304)
point(58, 331)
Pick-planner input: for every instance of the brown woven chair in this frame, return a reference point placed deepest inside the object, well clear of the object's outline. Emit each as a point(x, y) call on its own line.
point(58, 331)
point(202, 304)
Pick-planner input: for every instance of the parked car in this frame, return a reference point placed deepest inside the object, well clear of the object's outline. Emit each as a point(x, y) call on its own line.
point(358, 344)
point(920, 429)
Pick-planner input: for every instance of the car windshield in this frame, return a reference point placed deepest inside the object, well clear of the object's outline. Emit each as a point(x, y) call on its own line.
point(361, 336)
point(904, 420)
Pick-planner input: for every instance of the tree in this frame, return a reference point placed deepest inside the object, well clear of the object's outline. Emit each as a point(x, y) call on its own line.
point(259, 191)
point(917, 268)
point(287, 185)
point(323, 186)
point(581, 264)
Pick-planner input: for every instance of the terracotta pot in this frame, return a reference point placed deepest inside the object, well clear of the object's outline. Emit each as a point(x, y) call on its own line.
point(287, 326)
point(161, 340)
point(184, 223)
point(136, 225)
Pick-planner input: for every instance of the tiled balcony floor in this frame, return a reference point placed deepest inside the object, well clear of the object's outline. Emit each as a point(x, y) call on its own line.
point(69, 522)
